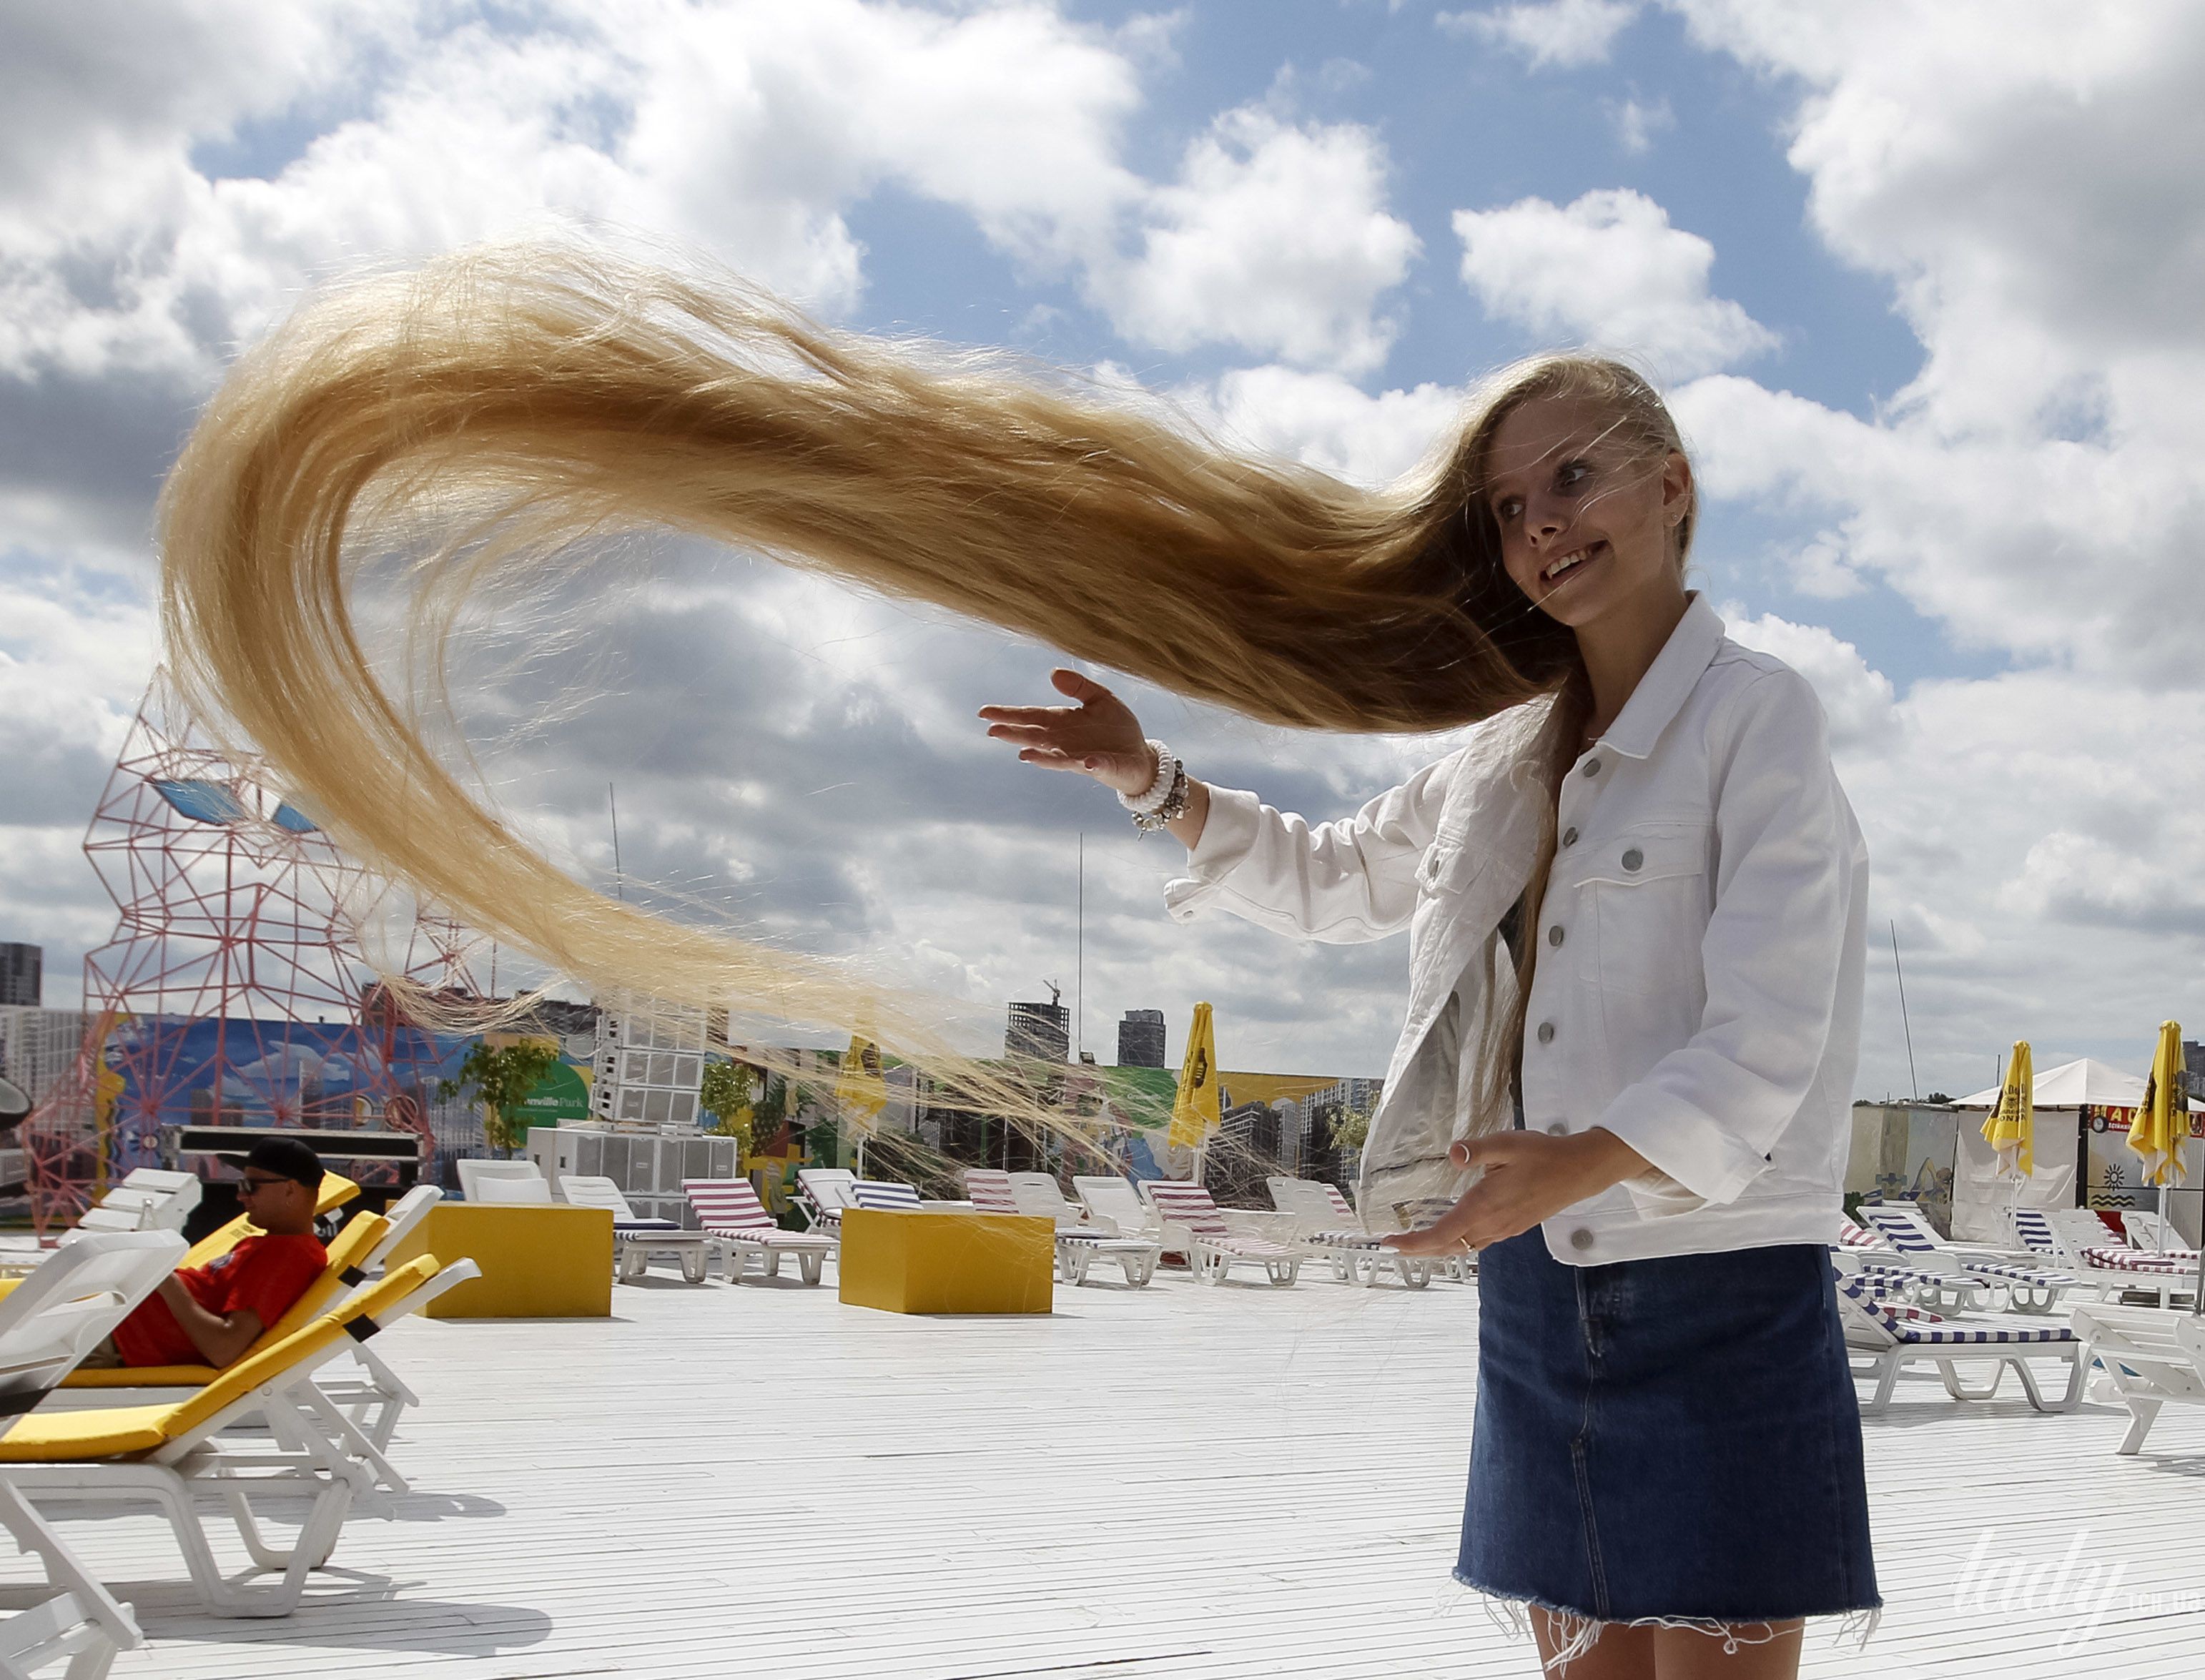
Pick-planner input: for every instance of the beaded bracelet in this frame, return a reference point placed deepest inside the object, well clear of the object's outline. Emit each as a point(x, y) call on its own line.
point(1159, 786)
point(1172, 807)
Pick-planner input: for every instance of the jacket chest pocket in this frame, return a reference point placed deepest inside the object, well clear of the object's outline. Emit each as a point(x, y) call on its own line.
point(1648, 891)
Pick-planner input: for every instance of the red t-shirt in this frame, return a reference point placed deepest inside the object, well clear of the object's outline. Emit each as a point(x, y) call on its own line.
point(266, 1273)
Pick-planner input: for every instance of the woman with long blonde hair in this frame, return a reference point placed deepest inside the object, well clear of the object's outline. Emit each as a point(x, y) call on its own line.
point(1634, 896)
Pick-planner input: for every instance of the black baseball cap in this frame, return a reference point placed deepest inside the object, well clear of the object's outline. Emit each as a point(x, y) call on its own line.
point(287, 1157)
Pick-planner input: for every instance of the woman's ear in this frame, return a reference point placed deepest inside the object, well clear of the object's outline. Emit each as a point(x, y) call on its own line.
point(1677, 489)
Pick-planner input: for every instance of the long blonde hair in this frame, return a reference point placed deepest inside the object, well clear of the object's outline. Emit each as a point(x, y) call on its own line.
point(513, 400)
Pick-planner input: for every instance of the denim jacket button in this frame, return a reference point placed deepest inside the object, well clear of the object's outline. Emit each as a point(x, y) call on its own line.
point(1581, 1238)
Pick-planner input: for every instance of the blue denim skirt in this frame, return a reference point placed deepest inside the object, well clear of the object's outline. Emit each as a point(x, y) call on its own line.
point(1671, 1440)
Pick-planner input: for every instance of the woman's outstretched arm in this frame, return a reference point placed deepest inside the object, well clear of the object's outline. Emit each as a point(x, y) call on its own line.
point(1099, 737)
point(1342, 882)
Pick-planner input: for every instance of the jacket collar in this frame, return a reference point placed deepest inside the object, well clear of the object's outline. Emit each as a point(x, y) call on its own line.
point(1669, 680)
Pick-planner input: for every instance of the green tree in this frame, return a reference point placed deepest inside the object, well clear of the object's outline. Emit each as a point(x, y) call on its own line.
point(1351, 1129)
point(501, 1079)
point(727, 1094)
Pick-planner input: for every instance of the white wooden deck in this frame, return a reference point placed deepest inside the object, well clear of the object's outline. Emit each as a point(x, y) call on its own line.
point(1183, 1481)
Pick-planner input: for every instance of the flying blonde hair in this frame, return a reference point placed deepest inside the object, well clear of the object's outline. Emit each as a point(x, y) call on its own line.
point(512, 401)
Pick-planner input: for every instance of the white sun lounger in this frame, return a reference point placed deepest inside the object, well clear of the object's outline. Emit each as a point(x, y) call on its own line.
point(2151, 1357)
point(2081, 1244)
point(1884, 1336)
point(1860, 1252)
point(824, 1194)
point(733, 1216)
point(1209, 1241)
point(2028, 1288)
point(476, 1178)
point(1036, 1195)
point(1113, 1204)
point(51, 1320)
point(1326, 1228)
point(166, 1456)
point(635, 1241)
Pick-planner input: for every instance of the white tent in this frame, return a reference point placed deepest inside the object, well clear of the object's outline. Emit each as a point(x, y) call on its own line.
point(2075, 1084)
point(1982, 1193)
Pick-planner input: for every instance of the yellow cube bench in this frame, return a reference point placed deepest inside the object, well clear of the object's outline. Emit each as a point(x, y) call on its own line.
point(537, 1262)
point(947, 1263)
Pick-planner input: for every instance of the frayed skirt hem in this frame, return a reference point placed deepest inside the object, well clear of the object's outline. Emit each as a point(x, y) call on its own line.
point(1575, 1633)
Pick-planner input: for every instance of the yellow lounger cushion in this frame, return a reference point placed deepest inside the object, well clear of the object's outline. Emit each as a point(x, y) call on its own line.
point(352, 1245)
point(54, 1437)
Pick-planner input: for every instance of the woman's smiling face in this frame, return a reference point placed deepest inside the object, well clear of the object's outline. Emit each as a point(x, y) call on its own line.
point(1585, 515)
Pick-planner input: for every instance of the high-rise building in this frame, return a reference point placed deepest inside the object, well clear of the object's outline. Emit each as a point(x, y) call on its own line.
point(2193, 1066)
point(21, 967)
point(1141, 1039)
point(38, 1046)
point(1039, 1032)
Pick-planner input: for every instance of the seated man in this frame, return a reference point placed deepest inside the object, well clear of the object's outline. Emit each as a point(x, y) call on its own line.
point(210, 1315)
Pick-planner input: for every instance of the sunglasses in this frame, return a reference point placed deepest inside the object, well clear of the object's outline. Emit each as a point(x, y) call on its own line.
point(253, 1186)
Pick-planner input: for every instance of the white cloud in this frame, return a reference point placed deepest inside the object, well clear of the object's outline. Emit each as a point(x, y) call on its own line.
point(1560, 33)
point(1636, 121)
point(1275, 238)
point(2022, 177)
point(1608, 269)
point(1324, 421)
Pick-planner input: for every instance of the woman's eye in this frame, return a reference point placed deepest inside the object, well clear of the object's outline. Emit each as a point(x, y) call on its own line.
point(1572, 475)
point(1506, 509)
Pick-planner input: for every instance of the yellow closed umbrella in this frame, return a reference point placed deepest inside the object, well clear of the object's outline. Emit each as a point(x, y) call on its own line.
point(2164, 1120)
point(1196, 1111)
point(861, 1091)
point(2011, 1128)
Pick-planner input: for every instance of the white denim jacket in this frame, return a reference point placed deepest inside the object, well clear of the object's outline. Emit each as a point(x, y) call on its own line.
point(1701, 948)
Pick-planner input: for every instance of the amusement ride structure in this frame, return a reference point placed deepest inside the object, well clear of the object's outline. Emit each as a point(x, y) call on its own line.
point(234, 990)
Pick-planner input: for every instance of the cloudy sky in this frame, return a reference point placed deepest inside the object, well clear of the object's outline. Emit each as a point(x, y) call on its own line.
point(1922, 280)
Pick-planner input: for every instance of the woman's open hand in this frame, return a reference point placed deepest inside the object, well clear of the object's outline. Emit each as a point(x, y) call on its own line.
point(1099, 737)
point(1529, 1177)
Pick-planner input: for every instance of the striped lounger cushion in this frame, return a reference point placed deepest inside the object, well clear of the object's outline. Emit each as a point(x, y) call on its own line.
point(1971, 1334)
point(1894, 1315)
point(1189, 1205)
point(1346, 1239)
point(2133, 1260)
point(731, 1207)
point(885, 1195)
point(2019, 1273)
point(1917, 1328)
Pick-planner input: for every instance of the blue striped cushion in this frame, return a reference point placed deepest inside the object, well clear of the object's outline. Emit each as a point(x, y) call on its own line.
point(2034, 1229)
point(2019, 1273)
point(1897, 1227)
point(1970, 1334)
point(884, 1196)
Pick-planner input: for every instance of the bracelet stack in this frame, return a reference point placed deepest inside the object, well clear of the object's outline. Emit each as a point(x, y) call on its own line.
point(1165, 796)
